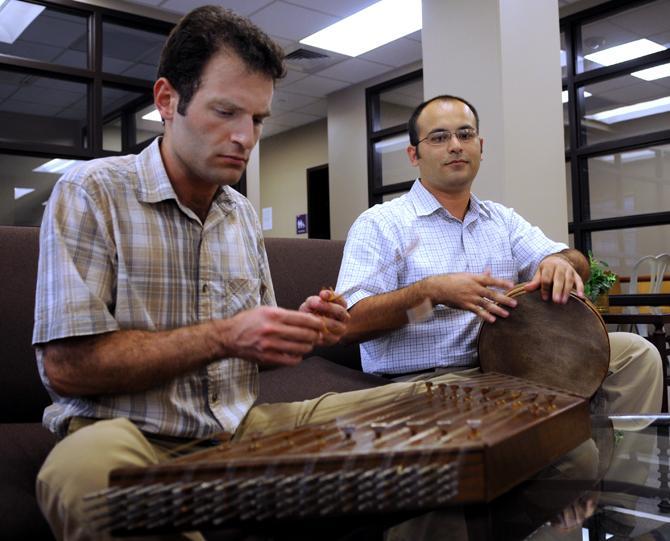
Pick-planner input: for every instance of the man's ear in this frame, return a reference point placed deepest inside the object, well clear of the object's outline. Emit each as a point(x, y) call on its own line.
point(413, 154)
point(481, 147)
point(166, 98)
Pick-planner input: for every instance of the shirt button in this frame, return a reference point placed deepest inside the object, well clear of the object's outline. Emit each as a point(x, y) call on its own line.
point(205, 288)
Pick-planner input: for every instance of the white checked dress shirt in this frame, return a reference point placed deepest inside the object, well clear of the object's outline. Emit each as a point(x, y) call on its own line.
point(398, 243)
point(119, 251)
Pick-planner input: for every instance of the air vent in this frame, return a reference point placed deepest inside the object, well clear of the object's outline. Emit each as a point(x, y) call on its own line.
point(305, 54)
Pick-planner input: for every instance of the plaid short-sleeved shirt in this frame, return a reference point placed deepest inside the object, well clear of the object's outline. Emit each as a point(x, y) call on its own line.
point(398, 243)
point(119, 251)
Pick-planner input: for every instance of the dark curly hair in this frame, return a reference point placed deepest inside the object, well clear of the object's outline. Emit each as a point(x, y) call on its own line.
point(204, 32)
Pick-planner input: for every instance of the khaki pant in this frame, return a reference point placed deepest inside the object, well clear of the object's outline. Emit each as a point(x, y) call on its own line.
point(81, 462)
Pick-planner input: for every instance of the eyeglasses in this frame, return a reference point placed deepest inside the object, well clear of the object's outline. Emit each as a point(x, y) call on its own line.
point(442, 137)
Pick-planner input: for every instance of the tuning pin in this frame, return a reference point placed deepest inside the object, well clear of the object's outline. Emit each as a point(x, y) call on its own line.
point(429, 388)
point(474, 425)
point(378, 429)
point(416, 426)
point(444, 425)
point(348, 431)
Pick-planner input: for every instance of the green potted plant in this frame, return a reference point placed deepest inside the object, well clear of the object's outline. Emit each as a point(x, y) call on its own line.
point(599, 283)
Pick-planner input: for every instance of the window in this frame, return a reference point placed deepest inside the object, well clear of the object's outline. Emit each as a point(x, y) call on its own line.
point(616, 95)
point(389, 106)
point(70, 91)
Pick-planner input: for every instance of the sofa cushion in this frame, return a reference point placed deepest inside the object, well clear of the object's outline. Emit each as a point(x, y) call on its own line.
point(310, 379)
point(24, 448)
point(318, 262)
point(23, 397)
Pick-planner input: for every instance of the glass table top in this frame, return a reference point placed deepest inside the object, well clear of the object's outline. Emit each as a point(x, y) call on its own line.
point(613, 486)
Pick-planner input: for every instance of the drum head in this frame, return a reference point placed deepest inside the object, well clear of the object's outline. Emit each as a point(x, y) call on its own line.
point(560, 345)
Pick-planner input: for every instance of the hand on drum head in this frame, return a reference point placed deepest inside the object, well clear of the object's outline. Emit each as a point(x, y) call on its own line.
point(556, 277)
point(478, 293)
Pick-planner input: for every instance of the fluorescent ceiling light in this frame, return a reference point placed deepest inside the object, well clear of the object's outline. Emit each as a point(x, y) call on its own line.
point(564, 95)
point(15, 17)
point(637, 110)
point(631, 156)
point(651, 74)
point(153, 115)
point(369, 28)
point(57, 165)
point(20, 192)
point(625, 51)
point(393, 144)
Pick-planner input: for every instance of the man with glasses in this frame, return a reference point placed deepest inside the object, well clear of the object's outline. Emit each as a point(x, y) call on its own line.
point(439, 251)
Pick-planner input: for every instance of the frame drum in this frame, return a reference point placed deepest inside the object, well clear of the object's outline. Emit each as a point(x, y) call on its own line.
point(560, 345)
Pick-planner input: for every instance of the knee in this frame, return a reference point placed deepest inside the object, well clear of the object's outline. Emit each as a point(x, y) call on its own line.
point(628, 349)
point(80, 463)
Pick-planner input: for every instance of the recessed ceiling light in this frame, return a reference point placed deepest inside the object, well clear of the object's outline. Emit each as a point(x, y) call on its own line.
point(625, 51)
point(651, 74)
point(15, 17)
point(564, 95)
point(20, 192)
point(153, 115)
point(57, 165)
point(629, 112)
point(369, 28)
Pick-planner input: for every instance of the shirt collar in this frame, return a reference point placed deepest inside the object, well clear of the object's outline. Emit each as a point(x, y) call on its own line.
point(426, 204)
point(153, 183)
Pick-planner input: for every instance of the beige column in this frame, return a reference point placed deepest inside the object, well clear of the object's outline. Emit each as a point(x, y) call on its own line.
point(503, 56)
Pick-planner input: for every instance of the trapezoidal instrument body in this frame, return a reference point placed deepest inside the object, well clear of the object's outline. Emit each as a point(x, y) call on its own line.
point(461, 441)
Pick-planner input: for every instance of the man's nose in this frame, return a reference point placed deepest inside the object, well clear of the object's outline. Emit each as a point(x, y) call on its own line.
point(244, 133)
point(454, 144)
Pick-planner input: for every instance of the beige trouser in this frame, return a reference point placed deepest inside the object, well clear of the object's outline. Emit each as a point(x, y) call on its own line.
point(81, 462)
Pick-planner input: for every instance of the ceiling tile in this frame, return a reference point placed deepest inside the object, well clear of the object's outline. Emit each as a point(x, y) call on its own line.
point(242, 7)
point(30, 108)
point(341, 8)
point(397, 53)
point(315, 86)
point(291, 77)
point(295, 119)
point(416, 36)
point(182, 6)
point(291, 22)
point(287, 101)
point(318, 108)
point(354, 70)
point(54, 32)
point(154, 3)
point(270, 130)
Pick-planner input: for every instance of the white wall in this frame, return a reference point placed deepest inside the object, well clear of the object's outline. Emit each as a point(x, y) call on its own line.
point(347, 152)
point(503, 56)
point(284, 160)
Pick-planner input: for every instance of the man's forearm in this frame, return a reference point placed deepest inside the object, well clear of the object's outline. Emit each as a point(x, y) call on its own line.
point(374, 316)
point(129, 361)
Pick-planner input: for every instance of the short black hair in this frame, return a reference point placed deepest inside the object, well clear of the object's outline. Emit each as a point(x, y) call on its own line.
point(206, 31)
point(413, 130)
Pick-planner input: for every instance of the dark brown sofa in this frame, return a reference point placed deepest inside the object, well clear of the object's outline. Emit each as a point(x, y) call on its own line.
point(299, 268)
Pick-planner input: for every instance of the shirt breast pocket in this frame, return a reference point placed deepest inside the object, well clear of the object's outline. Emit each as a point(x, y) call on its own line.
point(241, 294)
